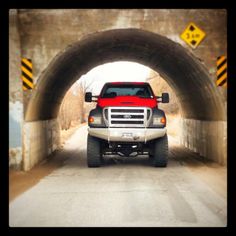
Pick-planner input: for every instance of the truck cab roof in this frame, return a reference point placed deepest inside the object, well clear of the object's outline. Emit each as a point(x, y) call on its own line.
point(127, 93)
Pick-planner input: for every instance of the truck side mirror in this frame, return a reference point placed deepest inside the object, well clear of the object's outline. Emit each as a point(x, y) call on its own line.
point(165, 98)
point(88, 97)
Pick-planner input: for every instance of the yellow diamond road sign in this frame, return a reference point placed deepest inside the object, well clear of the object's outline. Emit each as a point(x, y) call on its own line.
point(193, 35)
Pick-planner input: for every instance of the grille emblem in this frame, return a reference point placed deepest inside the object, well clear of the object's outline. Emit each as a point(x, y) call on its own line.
point(127, 116)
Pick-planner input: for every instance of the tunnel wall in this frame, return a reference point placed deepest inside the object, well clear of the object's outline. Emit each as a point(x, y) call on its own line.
point(41, 138)
point(207, 138)
point(15, 93)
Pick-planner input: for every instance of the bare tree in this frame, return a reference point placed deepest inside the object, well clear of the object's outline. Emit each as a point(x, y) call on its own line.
point(72, 107)
point(159, 85)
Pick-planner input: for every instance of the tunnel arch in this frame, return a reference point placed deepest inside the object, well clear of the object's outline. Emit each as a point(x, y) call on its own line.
point(197, 94)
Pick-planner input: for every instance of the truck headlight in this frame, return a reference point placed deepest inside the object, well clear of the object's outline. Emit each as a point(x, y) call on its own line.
point(96, 120)
point(159, 121)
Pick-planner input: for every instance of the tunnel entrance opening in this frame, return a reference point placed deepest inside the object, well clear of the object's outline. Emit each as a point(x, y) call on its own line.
point(201, 105)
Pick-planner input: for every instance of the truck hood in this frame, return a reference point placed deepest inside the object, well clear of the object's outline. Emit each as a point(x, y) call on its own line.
point(127, 101)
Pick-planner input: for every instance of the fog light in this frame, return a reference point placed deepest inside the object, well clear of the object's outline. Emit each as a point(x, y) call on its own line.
point(163, 120)
point(95, 120)
point(159, 120)
point(90, 119)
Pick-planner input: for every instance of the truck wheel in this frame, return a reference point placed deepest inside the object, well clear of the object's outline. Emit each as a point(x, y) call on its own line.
point(93, 152)
point(160, 152)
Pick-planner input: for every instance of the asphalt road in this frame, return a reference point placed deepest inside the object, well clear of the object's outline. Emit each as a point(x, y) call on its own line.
point(124, 192)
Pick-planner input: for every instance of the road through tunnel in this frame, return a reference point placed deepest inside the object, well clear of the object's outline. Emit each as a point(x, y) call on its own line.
point(203, 109)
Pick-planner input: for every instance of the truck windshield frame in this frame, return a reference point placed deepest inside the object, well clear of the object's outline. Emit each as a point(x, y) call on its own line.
point(140, 90)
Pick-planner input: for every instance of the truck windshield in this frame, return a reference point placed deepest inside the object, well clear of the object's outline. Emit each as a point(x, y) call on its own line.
point(113, 90)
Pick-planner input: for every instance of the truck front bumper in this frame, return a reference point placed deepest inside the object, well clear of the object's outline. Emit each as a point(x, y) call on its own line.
point(127, 134)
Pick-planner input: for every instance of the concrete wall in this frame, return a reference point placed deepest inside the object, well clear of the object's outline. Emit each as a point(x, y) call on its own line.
point(41, 138)
point(45, 33)
point(15, 93)
point(208, 138)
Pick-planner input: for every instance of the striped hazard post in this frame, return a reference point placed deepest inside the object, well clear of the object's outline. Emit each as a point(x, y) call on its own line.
point(27, 74)
point(221, 71)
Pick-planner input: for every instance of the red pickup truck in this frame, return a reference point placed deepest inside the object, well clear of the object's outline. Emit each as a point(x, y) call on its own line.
point(127, 122)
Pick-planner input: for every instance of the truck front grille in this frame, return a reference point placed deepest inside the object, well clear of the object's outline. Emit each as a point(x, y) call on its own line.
point(127, 116)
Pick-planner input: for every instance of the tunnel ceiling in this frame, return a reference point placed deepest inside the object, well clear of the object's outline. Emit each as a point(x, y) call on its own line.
point(190, 80)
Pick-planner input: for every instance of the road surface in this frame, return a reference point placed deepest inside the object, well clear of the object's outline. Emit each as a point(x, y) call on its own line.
point(124, 192)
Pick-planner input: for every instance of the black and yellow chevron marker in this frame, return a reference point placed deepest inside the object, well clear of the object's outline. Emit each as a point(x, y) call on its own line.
point(27, 74)
point(221, 71)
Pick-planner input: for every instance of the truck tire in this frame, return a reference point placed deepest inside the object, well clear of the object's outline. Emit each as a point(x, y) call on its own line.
point(160, 152)
point(93, 152)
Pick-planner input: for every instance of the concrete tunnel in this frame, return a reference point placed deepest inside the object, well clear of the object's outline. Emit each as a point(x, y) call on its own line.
point(202, 106)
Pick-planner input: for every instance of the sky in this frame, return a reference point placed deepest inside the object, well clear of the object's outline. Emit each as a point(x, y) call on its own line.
point(115, 71)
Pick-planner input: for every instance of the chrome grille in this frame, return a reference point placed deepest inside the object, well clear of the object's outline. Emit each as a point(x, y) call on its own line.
point(127, 116)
